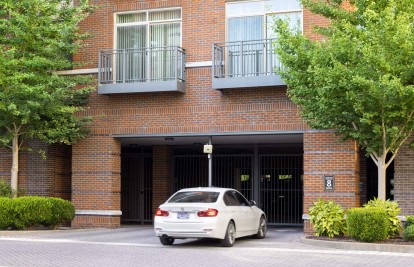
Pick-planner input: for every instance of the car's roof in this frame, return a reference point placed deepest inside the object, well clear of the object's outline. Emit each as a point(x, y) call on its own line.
point(211, 189)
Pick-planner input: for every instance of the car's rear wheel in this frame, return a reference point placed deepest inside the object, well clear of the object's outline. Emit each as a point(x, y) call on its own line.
point(230, 236)
point(166, 241)
point(261, 231)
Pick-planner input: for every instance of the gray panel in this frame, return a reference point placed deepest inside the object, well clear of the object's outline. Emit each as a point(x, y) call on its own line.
point(250, 81)
point(142, 87)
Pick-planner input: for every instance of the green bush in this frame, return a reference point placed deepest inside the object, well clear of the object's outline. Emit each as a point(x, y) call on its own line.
point(327, 218)
point(367, 224)
point(409, 221)
point(408, 234)
point(24, 212)
point(392, 210)
point(5, 189)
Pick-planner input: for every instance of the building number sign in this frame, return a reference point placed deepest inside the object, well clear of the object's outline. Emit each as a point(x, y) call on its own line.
point(329, 183)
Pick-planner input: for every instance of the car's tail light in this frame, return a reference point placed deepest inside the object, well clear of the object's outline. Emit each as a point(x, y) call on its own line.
point(208, 213)
point(161, 212)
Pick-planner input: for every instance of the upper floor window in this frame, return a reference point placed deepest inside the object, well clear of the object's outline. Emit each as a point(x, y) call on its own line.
point(157, 28)
point(254, 20)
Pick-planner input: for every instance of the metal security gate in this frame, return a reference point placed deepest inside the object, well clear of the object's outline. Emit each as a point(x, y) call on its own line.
point(281, 188)
point(276, 185)
point(232, 171)
point(136, 188)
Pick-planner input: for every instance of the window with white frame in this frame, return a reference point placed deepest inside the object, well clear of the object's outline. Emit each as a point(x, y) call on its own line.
point(250, 31)
point(254, 20)
point(147, 39)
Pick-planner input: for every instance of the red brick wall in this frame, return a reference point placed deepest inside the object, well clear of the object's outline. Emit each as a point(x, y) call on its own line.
point(325, 155)
point(96, 167)
point(404, 178)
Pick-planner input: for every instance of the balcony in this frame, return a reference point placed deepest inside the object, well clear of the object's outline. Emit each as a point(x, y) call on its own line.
point(155, 69)
point(245, 64)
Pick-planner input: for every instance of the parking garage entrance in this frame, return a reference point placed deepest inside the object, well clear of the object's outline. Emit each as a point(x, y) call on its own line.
point(270, 175)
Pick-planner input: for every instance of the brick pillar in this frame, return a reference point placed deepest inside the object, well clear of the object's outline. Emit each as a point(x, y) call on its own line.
point(404, 178)
point(96, 165)
point(325, 155)
point(161, 177)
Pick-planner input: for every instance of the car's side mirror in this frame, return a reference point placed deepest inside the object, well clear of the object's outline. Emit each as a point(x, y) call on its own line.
point(252, 203)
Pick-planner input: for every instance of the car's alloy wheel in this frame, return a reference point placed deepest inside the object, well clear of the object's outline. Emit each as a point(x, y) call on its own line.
point(166, 241)
point(261, 232)
point(230, 236)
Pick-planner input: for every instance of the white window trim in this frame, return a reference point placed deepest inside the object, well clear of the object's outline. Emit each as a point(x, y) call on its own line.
point(148, 22)
point(264, 14)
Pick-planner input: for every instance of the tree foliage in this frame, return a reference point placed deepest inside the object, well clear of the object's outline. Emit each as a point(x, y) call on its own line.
point(358, 78)
point(37, 39)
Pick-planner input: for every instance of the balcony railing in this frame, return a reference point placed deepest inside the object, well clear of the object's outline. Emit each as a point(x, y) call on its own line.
point(245, 64)
point(154, 69)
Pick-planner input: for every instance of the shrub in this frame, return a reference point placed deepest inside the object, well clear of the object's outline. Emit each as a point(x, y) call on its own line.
point(6, 212)
point(5, 189)
point(327, 218)
point(409, 221)
point(367, 224)
point(24, 212)
point(408, 234)
point(392, 210)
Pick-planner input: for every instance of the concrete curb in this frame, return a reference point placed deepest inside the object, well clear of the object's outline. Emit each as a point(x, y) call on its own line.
point(358, 246)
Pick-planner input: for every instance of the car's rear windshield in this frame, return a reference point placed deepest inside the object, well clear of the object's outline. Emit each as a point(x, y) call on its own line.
point(195, 197)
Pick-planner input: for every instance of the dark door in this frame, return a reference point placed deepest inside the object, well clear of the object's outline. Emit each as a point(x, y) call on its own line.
point(136, 188)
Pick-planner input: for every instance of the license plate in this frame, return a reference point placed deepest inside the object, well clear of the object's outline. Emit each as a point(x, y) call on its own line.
point(183, 215)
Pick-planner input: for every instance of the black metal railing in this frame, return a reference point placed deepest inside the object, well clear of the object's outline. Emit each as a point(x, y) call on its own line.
point(245, 58)
point(148, 64)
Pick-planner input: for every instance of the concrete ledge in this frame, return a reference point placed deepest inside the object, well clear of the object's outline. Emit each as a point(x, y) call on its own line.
point(99, 212)
point(359, 246)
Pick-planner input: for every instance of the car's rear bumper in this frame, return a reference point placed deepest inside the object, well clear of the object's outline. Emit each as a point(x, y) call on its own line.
point(209, 229)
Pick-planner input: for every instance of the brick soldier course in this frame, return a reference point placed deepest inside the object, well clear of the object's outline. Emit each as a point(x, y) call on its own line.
point(89, 172)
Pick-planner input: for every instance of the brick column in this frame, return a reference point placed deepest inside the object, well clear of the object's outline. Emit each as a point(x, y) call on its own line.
point(325, 155)
point(96, 184)
point(404, 178)
point(161, 180)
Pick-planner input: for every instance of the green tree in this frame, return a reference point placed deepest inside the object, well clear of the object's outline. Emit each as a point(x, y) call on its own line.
point(37, 39)
point(358, 78)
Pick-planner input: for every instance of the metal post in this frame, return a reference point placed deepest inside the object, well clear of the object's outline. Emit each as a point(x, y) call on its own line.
point(210, 165)
point(123, 66)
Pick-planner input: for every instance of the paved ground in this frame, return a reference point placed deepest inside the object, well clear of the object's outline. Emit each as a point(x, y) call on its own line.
point(137, 246)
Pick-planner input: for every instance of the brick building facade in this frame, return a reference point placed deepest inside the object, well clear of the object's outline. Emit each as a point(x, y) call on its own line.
point(155, 107)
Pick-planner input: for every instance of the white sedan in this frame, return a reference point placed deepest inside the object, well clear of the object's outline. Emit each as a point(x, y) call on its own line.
point(210, 212)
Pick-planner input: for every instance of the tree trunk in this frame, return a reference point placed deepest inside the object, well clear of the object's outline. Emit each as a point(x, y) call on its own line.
point(15, 165)
point(382, 181)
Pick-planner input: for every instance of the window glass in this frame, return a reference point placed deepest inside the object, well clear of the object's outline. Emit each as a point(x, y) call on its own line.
point(131, 17)
point(165, 15)
point(245, 28)
point(254, 20)
point(136, 33)
point(241, 199)
point(230, 199)
point(195, 197)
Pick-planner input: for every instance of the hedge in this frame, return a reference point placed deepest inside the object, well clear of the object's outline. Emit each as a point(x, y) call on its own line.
point(29, 211)
point(367, 224)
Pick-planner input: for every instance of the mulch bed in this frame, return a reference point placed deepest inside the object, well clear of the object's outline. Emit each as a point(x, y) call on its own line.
point(394, 240)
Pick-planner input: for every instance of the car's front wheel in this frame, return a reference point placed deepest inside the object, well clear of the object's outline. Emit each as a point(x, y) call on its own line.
point(166, 241)
point(261, 231)
point(230, 237)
